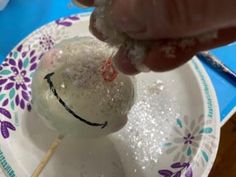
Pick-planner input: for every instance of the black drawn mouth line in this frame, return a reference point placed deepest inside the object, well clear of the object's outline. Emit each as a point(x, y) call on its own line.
point(52, 88)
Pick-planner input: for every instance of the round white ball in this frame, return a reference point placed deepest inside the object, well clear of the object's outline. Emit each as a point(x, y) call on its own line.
point(72, 94)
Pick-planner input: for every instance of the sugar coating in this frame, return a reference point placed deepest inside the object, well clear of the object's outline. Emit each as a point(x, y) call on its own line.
point(78, 81)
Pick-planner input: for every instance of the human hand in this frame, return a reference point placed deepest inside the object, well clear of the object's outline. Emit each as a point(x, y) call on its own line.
point(166, 21)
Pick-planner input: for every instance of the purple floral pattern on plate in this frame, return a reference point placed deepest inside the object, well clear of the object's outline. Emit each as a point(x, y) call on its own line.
point(46, 42)
point(68, 21)
point(16, 76)
point(177, 169)
point(15, 80)
point(15, 85)
point(17, 70)
point(187, 139)
point(6, 125)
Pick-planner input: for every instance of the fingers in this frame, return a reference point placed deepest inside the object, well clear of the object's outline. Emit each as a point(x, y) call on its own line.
point(160, 57)
point(161, 19)
point(224, 36)
point(121, 16)
point(94, 30)
point(123, 62)
point(92, 25)
point(125, 18)
point(84, 2)
point(164, 57)
point(130, 26)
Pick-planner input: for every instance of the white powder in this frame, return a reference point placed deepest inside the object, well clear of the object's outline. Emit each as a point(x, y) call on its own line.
point(138, 49)
point(169, 50)
point(137, 55)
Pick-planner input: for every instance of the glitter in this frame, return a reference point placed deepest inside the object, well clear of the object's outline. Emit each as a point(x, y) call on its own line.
point(63, 85)
point(169, 51)
point(139, 144)
point(150, 123)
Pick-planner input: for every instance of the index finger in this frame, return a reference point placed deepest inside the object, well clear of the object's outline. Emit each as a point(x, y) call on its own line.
point(84, 2)
point(158, 60)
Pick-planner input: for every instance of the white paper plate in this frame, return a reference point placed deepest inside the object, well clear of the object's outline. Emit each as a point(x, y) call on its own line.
point(173, 129)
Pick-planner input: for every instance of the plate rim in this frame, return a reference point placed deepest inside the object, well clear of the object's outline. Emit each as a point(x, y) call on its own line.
point(196, 64)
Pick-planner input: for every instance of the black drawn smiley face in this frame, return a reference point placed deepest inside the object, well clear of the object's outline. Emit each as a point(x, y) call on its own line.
point(49, 81)
point(77, 91)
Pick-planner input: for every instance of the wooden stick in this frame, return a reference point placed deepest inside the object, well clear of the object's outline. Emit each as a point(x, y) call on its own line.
point(47, 156)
